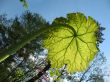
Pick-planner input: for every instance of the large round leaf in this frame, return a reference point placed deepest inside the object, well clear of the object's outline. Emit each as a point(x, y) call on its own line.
point(75, 48)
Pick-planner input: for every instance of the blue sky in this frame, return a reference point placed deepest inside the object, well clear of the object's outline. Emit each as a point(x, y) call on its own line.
point(50, 9)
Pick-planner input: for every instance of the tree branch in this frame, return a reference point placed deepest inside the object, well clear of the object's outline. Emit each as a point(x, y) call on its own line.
point(33, 79)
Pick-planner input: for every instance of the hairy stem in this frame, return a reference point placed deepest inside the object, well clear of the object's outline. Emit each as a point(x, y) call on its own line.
point(11, 50)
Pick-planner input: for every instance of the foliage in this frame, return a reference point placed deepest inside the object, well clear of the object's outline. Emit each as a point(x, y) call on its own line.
point(11, 32)
point(71, 39)
point(74, 47)
point(24, 2)
point(24, 35)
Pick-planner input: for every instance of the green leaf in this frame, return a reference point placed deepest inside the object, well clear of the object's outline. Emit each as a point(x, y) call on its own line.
point(76, 47)
point(54, 72)
point(24, 2)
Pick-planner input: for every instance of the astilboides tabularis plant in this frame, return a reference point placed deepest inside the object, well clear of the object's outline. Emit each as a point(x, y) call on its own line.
point(71, 41)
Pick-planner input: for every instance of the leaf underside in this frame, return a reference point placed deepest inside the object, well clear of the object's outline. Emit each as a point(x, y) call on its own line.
point(74, 50)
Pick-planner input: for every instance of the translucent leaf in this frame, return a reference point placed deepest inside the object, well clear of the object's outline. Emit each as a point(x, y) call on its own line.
point(54, 72)
point(75, 48)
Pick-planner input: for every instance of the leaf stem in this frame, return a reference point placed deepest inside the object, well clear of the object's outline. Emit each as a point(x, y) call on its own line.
point(11, 50)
